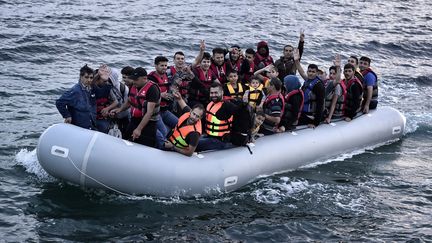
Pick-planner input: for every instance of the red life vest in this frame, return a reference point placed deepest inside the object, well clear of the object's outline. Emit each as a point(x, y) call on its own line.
point(173, 70)
point(247, 76)
point(206, 80)
point(265, 60)
point(137, 98)
point(272, 97)
point(349, 99)
point(182, 129)
point(220, 72)
point(236, 65)
point(291, 94)
point(163, 83)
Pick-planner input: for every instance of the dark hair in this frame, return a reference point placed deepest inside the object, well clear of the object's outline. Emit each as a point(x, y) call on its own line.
point(260, 113)
point(332, 68)
point(199, 106)
point(355, 58)
point(219, 50)
point(276, 83)
point(288, 46)
point(128, 70)
point(207, 56)
point(255, 77)
point(313, 66)
point(250, 51)
point(178, 53)
point(232, 71)
point(366, 59)
point(160, 59)
point(216, 85)
point(349, 66)
point(86, 70)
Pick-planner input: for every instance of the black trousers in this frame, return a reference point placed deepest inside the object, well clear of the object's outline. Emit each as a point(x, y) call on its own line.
point(148, 134)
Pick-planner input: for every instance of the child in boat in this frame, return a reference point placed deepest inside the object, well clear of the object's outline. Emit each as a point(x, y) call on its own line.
point(259, 119)
point(254, 95)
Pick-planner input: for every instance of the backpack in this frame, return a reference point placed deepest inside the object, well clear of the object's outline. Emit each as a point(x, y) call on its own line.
point(243, 122)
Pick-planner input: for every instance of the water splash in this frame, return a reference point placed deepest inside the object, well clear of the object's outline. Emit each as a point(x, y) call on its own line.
point(276, 190)
point(28, 159)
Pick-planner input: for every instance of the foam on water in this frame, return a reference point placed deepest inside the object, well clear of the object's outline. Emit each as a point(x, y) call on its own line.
point(28, 159)
point(274, 191)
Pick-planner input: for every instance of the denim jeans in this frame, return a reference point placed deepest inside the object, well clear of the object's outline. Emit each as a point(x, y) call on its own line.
point(212, 143)
point(166, 122)
point(103, 125)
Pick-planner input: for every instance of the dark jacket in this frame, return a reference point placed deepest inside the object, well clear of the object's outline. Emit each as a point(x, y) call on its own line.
point(79, 104)
point(287, 66)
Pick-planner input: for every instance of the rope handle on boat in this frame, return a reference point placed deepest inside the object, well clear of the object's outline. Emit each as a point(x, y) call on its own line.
point(95, 180)
point(250, 150)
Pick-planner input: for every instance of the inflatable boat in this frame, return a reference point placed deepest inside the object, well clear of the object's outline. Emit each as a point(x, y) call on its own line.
point(96, 160)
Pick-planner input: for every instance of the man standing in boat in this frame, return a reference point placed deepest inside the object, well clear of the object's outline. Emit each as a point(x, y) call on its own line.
point(144, 97)
point(78, 105)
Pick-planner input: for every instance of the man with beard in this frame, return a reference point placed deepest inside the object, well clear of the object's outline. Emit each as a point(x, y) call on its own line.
point(185, 135)
point(219, 117)
point(286, 64)
point(354, 92)
point(219, 65)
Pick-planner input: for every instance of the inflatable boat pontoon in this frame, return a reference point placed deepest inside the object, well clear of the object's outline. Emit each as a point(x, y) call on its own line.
point(93, 159)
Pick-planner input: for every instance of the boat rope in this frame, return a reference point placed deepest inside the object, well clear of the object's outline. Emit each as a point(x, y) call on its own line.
point(250, 150)
point(95, 180)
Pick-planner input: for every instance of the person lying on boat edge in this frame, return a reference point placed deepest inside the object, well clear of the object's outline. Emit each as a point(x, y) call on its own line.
point(186, 134)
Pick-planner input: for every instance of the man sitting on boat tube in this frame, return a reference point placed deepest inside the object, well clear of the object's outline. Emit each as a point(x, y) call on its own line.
point(186, 134)
point(219, 117)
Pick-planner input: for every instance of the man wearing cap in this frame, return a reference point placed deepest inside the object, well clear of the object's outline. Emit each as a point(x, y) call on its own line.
point(273, 107)
point(144, 99)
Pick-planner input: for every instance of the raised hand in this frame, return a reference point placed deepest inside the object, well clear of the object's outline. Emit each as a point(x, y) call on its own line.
point(202, 45)
point(337, 60)
point(296, 54)
point(269, 67)
point(302, 35)
point(104, 72)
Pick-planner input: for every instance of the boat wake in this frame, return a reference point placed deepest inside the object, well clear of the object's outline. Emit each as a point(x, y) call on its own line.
point(28, 159)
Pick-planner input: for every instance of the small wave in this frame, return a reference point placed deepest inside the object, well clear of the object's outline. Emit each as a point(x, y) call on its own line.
point(5, 94)
point(28, 160)
point(423, 81)
point(415, 120)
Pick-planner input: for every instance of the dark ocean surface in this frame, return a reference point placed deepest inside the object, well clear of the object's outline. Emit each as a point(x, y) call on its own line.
point(374, 195)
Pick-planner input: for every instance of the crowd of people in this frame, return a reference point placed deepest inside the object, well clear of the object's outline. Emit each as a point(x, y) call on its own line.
point(224, 99)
